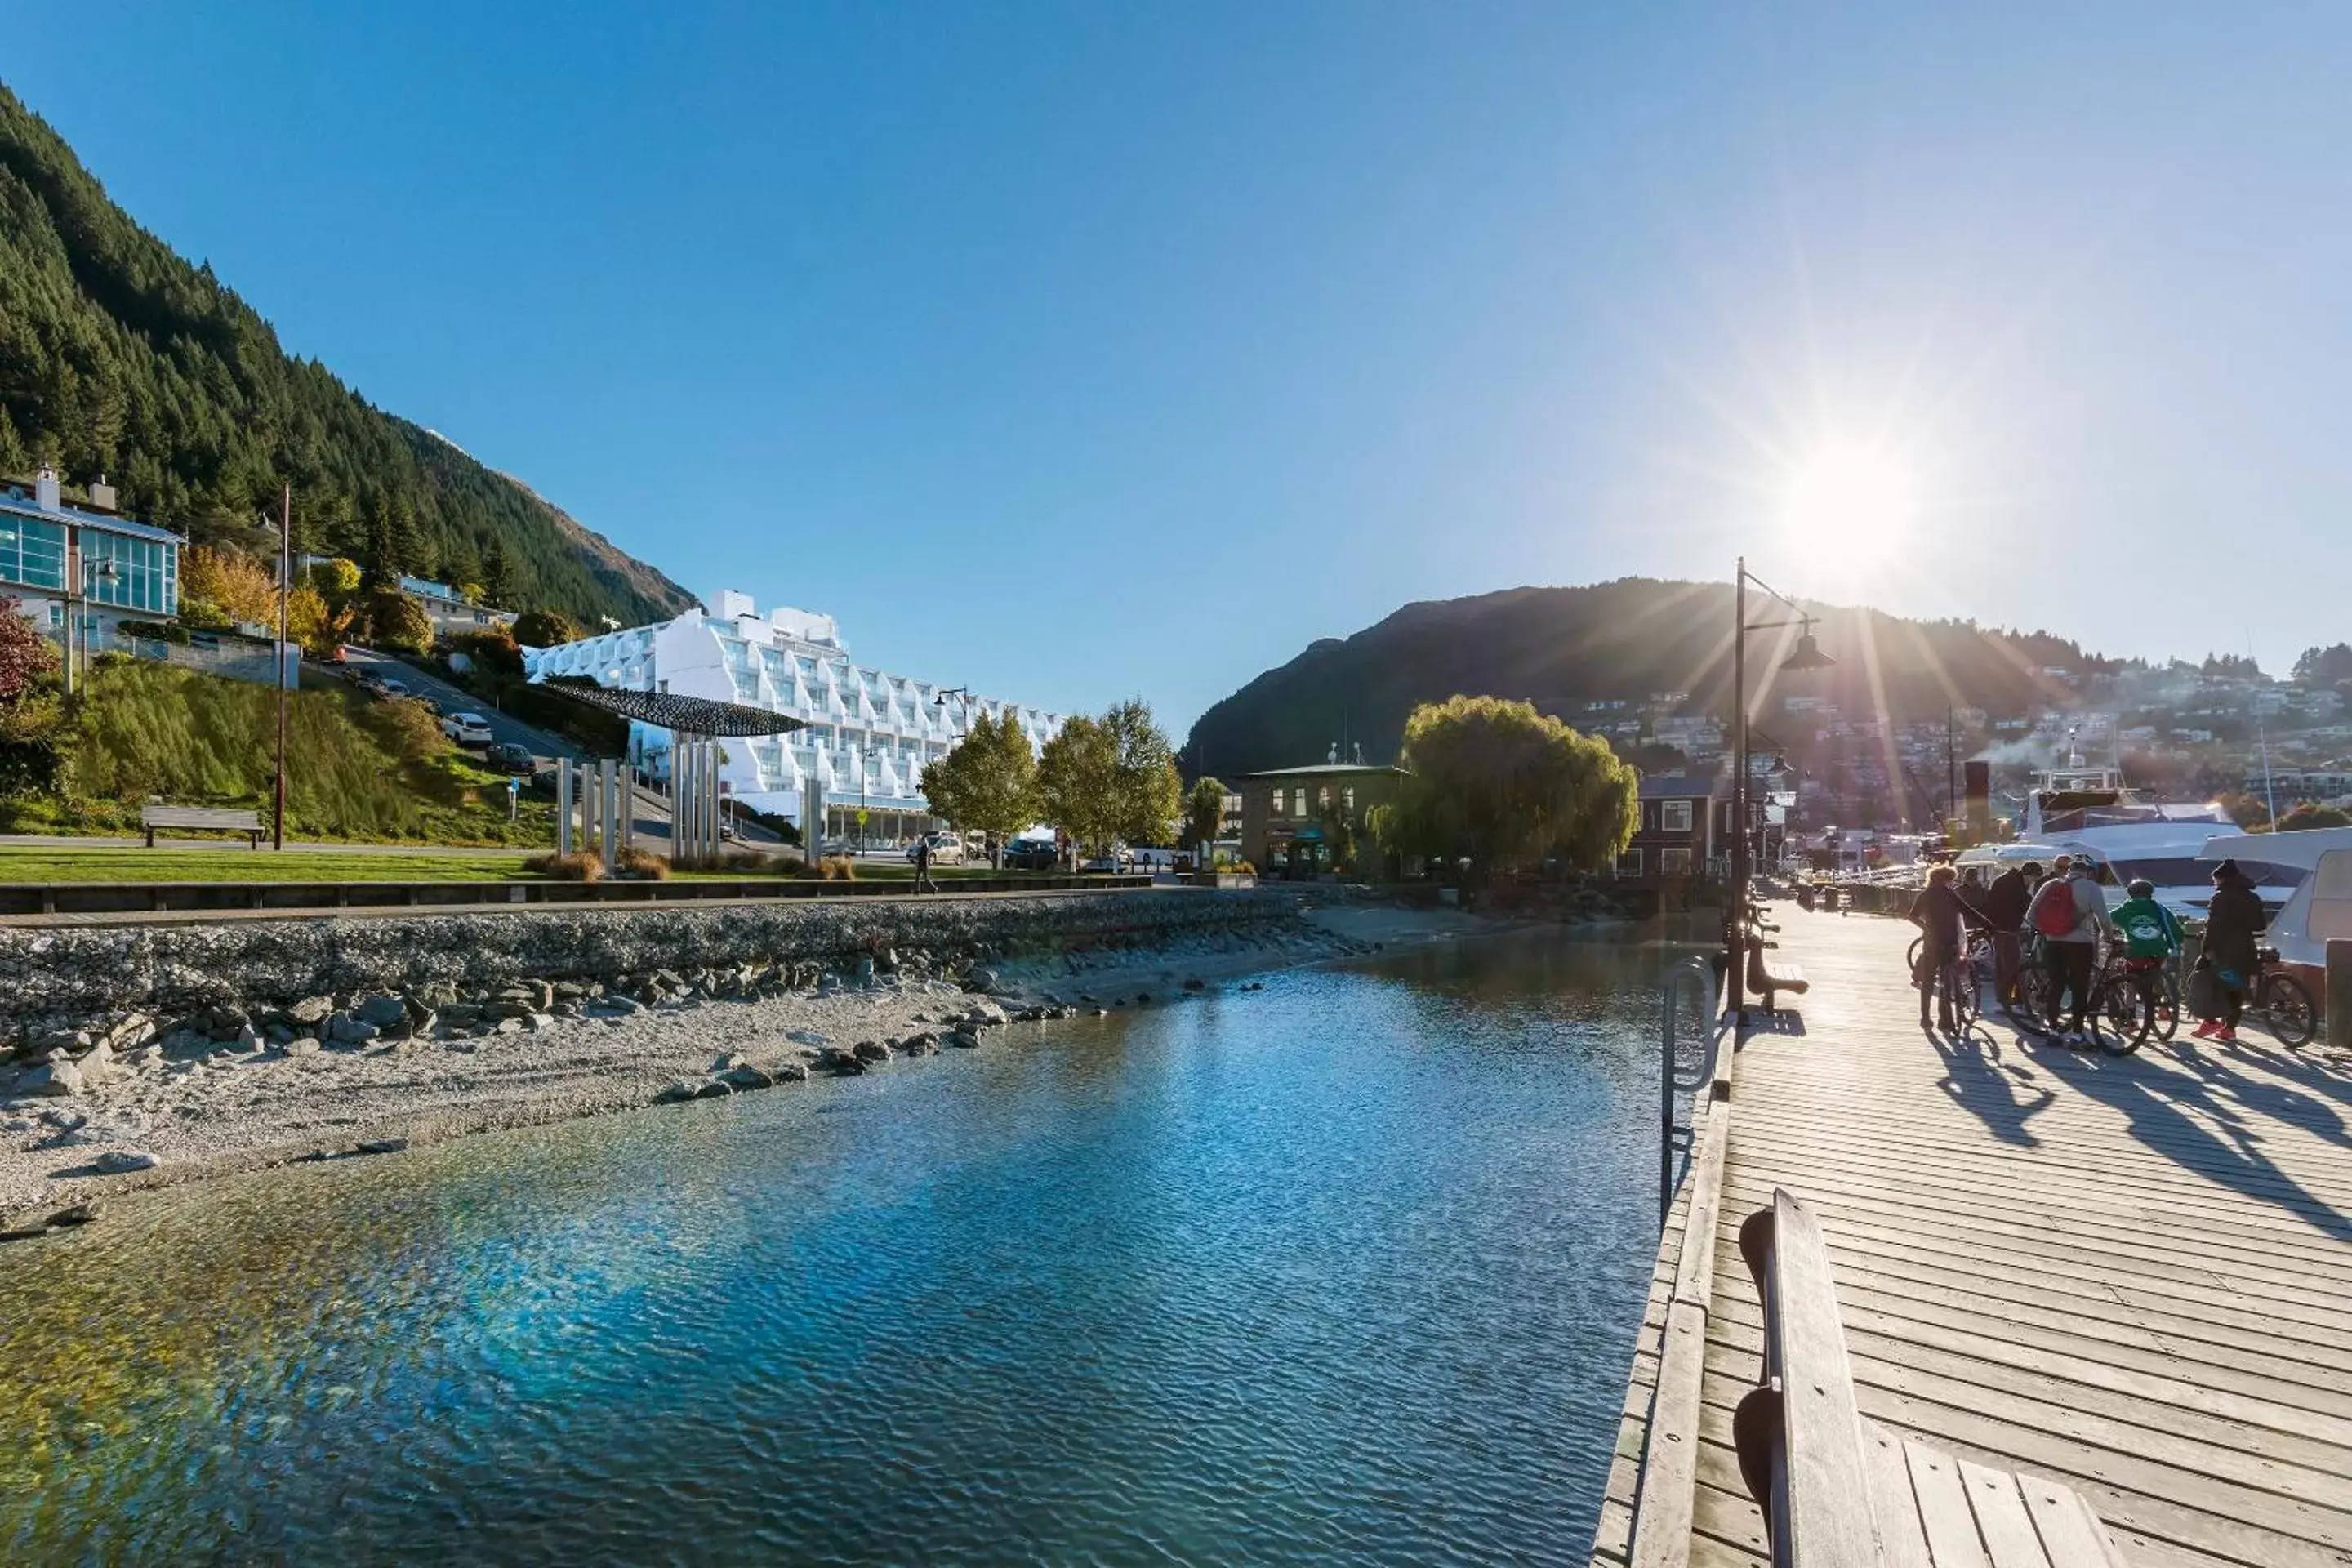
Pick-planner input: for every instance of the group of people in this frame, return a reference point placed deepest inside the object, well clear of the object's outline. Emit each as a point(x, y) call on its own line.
point(2069, 913)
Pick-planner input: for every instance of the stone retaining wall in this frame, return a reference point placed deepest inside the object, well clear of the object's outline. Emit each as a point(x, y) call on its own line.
point(101, 970)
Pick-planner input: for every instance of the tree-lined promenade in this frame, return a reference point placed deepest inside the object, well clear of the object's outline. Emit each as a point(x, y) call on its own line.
point(1490, 787)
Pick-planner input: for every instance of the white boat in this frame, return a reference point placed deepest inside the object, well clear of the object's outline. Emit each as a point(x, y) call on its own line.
point(2089, 810)
point(2320, 907)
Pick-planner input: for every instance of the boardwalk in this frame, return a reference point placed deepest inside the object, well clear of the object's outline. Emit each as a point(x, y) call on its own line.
point(2134, 1274)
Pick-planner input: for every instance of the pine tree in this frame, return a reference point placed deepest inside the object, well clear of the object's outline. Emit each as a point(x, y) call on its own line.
point(497, 578)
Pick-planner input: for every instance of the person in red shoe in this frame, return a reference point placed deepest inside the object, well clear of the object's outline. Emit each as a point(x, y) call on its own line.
point(2233, 929)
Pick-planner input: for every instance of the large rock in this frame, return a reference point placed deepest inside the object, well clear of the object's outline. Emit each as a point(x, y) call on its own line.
point(347, 1029)
point(120, 1161)
point(311, 1011)
point(382, 1012)
point(871, 1051)
point(54, 1077)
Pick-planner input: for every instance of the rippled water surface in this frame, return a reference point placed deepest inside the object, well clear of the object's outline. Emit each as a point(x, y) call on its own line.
point(1345, 1269)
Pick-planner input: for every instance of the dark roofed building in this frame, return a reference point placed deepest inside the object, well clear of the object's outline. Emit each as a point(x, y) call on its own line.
point(1686, 825)
point(1282, 810)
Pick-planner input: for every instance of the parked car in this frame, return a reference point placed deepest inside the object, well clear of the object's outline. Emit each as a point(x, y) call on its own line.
point(466, 729)
point(390, 686)
point(1030, 855)
point(1119, 860)
point(511, 758)
point(946, 849)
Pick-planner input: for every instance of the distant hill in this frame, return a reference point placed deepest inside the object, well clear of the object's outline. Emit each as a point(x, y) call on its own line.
point(1631, 640)
point(117, 356)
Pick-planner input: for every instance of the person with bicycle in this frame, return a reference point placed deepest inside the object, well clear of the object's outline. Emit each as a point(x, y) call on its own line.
point(1944, 916)
point(2004, 911)
point(2233, 928)
point(2069, 911)
point(2151, 936)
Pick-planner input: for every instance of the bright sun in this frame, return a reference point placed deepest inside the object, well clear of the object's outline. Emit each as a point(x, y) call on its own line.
point(1851, 499)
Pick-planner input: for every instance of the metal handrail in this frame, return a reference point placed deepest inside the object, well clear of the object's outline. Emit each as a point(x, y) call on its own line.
point(1692, 975)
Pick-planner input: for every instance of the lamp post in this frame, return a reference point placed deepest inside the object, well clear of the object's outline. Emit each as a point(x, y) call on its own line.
point(285, 585)
point(1806, 656)
point(77, 616)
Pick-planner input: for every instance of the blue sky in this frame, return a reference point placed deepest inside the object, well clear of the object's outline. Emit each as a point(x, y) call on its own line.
point(1076, 351)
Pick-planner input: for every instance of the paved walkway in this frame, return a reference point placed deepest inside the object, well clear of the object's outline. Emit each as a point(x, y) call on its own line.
point(2132, 1274)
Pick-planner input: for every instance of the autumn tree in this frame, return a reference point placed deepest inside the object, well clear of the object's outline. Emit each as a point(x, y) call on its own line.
point(225, 587)
point(335, 580)
point(1077, 772)
point(397, 622)
point(1205, 811)
point(544, 628)
point(1149, 792)
point(989, 781)
point(1497, 783)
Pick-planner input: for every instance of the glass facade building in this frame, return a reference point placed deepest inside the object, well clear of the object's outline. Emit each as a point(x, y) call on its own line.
point(122, 564)
point(145, 575)
point(32, 552)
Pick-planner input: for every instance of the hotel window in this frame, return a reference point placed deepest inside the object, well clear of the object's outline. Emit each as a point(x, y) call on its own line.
point(1675, 817)
point(1674, 862)
point(1629, 864)
point(32, 552)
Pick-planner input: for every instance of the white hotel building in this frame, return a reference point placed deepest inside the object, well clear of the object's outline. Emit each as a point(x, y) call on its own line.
point(869, 733)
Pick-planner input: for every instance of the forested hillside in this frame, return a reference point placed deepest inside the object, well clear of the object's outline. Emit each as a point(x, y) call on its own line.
point(1627, 640)
point(118, 357)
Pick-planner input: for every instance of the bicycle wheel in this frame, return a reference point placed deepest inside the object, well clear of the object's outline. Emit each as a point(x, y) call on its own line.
point(1911, 959)
point(1961, 995)
point(2286, 1006)
point(2033, 998)
point(2123, 1017)
point(2165, 1005)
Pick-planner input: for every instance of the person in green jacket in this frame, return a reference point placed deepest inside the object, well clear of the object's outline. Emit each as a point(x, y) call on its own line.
point(2151, 937)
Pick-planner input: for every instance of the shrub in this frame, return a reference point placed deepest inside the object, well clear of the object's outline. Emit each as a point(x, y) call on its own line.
point(544, 628)
point(635, 862)
point(407, 729)
point(837, 869)
point(397, 622)
point(577, 867)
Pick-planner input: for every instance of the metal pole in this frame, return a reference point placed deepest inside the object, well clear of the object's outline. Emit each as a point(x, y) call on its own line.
point(1952, 768)
point(608, 785)
point(1736, 939)
point(564, 806)
point(285, 577)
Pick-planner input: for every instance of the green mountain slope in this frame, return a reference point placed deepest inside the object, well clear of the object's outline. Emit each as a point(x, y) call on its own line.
point(119, 357)
point(1628, 640)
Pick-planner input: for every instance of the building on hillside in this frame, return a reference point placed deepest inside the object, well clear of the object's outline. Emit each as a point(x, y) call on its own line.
point(870, 733)
point(59, 559)
point(1685, 827)
point(1282, 812)
point(451, 612)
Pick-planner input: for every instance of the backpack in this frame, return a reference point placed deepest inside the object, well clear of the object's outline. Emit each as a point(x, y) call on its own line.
point(2053, 911)
point(2146, 933)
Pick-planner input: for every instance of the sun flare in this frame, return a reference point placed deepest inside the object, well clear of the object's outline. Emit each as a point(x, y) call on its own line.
point(1849, 497)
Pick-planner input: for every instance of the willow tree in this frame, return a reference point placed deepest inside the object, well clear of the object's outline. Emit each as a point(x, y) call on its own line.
point(1506, 787)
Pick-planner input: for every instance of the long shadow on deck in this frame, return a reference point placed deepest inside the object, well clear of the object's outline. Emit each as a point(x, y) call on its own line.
point(2195, 1112)
point(1981, 1080)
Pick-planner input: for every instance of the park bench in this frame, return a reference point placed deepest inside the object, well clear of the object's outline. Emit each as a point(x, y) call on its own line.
point(1839, 1491)
point(153, 817)
point(1768, 978)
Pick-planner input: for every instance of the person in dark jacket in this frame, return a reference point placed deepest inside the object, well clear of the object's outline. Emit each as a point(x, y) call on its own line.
point(2233, 927)
point(1943, 915)
point(2004, 912)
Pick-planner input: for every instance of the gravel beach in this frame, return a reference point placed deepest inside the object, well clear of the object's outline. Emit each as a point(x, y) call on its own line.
point(164, 1115)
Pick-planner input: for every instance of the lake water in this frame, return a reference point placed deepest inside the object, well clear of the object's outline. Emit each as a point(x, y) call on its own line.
point(1343, 1269)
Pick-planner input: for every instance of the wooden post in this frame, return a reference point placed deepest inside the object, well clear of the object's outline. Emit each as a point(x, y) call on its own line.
point(2339, 993)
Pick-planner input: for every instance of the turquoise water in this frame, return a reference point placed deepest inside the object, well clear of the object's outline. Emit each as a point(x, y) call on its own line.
point(1346, 1269)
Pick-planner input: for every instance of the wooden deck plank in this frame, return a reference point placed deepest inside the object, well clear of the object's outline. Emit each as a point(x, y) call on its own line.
point(2130, 1276)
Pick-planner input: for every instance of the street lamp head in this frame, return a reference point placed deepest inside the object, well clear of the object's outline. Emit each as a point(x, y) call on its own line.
point(1806, 655)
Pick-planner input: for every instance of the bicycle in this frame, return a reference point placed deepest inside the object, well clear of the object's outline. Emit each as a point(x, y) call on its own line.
point(2111, 1023)
point(2282, 1002)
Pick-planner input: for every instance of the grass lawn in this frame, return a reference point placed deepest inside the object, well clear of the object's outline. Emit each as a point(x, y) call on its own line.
point(136, 863)
point(29, 863)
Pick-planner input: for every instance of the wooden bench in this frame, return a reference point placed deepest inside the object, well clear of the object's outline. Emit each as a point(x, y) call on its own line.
point(248, 823)
point(1842, 1491)
point(1768, 979)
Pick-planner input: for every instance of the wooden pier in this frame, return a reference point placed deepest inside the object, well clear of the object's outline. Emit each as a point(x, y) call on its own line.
point(2132, 1275)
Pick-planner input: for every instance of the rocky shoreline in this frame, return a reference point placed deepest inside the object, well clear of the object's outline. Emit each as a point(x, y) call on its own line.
point(143, 1097)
